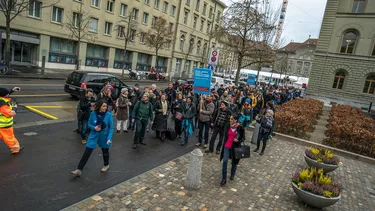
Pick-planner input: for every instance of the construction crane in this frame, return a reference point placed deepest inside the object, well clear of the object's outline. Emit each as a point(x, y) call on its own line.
point(281, 24)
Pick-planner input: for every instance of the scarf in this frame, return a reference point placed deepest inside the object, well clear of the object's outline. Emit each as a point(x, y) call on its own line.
point(164, 107)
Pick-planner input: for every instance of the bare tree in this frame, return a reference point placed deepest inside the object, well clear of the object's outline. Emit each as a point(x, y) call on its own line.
point(78, 24)
point(126, 30)
point(249, 28)
point(13, 8)
point(160, 35)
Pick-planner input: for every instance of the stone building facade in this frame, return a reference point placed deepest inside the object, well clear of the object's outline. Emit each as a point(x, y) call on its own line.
point(40, 31)
point(344, 62)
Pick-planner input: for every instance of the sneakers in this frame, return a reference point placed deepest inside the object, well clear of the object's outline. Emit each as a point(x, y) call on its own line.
point(76, 173)
point(198, 144)
point(205, 146)
point(261, 153)
point(126, 131)
point(105, 168)
point(84, 141)
point(256, 150)
point(134, 146)
point(21, 148)
point(118, 131)
point(217, 151)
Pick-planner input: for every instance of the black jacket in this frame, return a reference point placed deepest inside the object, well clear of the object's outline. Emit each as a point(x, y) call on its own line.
point(240, 137)
point(215, 118)
point(171, 95)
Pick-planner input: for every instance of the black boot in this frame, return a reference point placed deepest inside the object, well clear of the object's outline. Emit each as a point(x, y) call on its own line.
point(256, 150)
point(134, 146)
point(223, 182)
point(231, 177)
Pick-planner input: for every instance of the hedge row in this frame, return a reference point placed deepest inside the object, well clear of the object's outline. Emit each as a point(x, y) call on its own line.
point(350, 129)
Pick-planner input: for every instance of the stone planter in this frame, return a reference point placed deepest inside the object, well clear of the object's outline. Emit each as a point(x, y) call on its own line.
point(326, 167)
point(313, 199)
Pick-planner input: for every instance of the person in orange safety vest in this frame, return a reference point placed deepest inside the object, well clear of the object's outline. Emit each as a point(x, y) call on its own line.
point(7, 112)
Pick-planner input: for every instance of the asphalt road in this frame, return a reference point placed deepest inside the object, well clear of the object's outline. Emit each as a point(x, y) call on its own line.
point(39, 177)
point(47, 90)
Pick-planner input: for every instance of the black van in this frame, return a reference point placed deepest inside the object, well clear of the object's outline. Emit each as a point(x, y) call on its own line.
point(77, 81)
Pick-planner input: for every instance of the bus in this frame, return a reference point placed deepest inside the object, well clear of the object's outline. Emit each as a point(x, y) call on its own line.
point(251, 79)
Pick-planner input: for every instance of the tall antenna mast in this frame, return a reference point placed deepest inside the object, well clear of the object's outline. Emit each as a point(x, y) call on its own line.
point(281, 24)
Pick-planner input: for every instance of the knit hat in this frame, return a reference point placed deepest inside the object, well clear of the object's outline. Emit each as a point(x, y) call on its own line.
point(123, 90)
point(247, 100)
point(225, 103)
point(4, 92)
point(270, 112)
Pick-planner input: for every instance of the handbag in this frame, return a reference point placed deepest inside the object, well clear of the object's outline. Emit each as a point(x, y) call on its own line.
point(179, 115)
point(242, 152)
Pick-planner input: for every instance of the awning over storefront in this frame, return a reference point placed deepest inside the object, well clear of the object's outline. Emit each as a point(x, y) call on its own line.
point(22, 37)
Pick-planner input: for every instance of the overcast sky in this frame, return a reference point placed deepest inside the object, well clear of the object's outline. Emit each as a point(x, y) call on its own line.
point(303, 18)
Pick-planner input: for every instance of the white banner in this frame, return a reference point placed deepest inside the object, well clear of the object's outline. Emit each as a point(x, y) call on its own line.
point(213, 57)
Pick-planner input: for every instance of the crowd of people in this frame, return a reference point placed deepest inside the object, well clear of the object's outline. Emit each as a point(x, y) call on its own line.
point(225, 112)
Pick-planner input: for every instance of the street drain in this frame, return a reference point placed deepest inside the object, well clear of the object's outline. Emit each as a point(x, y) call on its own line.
point(30, 134)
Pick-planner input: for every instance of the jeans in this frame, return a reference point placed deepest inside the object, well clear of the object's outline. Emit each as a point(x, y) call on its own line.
point(83, 128)
point(263, 137)
point(213, 139)
point(140, 130)
point(225, 164)
point(86, 156)
point(206, 126)
point(124, 124)
point(131, 124)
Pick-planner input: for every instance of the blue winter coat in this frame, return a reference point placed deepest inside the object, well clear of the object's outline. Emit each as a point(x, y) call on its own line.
point(102, 136)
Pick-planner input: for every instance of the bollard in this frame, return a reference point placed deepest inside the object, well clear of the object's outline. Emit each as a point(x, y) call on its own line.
point(194, 172)
point(254, 139)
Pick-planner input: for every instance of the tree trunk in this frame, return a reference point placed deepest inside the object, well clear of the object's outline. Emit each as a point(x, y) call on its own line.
point(7, 43)
point(78, 52)
point(240, 57)
point(157, 62)
point(124, 58)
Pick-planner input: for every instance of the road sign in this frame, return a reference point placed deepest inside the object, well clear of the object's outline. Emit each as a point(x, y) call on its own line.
point(213, 57)
point(210, 67)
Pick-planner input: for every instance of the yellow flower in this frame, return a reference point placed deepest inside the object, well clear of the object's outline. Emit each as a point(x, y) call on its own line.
point(315, 151)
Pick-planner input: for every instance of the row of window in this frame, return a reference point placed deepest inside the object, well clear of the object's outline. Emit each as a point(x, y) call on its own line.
point(369, 87)
point(349, 42)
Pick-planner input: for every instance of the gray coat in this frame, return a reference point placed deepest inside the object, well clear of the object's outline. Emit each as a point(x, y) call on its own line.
point(208, 110)
point(122, 110)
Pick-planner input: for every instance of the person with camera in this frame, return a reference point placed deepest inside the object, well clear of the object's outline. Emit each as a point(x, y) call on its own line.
point(101, 131)
point(7, 111)
point(234, 135)
point(267, 124)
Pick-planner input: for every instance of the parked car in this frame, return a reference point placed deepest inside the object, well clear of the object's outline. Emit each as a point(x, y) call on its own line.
point(78, 81)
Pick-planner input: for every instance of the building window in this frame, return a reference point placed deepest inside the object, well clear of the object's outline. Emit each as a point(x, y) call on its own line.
point(170, 27)
point(369, 85)
point(135, 14)
point(195, 22)
point(96, 55)
point(187, 2)
point(205, 49)
point(147, 2)
point(93, 25)
point(348, 42)
point(76, 20)
point(142, 38)
point(218, 17)
point(373, 49)
point(156, 5)
point(198, 47)
point(358, 6)
point(57, 14)
point(173, 10)
point(121, 32)
point(62, 51)
point(110, 6)
point(211, 12)
point(132, 34)
point(339, 80)
point(197, 5)
point(154, 20)
point(186, 16)
point(208, 27)
point(35, 8)
point(120, 59)
point(144, 62)
point(182, 42)
point(165, 7)
point(107, 28)
point(204, 8)
point(95, 3)
point(123, 9)
point(202, 25)
point(145, 18)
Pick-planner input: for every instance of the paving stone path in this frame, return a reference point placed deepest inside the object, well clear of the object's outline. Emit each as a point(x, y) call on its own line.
point(261, 183)
point(319, 132)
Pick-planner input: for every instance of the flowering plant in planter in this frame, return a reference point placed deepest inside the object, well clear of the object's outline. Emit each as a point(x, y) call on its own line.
point(322, 156)
point(314, 181)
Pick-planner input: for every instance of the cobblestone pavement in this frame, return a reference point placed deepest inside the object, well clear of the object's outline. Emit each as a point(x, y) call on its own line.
point(261, 183)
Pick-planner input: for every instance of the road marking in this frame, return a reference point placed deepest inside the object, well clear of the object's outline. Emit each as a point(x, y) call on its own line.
point(32, 85)
point(41, 112)
point(54, 106)
point(42, 95)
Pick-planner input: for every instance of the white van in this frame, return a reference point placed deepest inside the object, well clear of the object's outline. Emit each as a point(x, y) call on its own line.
point(215, 80)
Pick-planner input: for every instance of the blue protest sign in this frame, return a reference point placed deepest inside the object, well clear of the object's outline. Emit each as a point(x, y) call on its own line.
point(202, 80)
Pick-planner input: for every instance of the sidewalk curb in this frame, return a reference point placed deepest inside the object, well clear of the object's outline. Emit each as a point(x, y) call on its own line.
point(44, 122)
point(33, 77)
point(341, 152)
point(90, 197)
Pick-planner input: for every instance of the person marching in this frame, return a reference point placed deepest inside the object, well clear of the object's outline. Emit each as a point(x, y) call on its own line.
point(122, 114)
point(188, 113)
point(142, 113)
point(7, 112)
point(101, 131)
point(160, 124)
point(266, 129)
